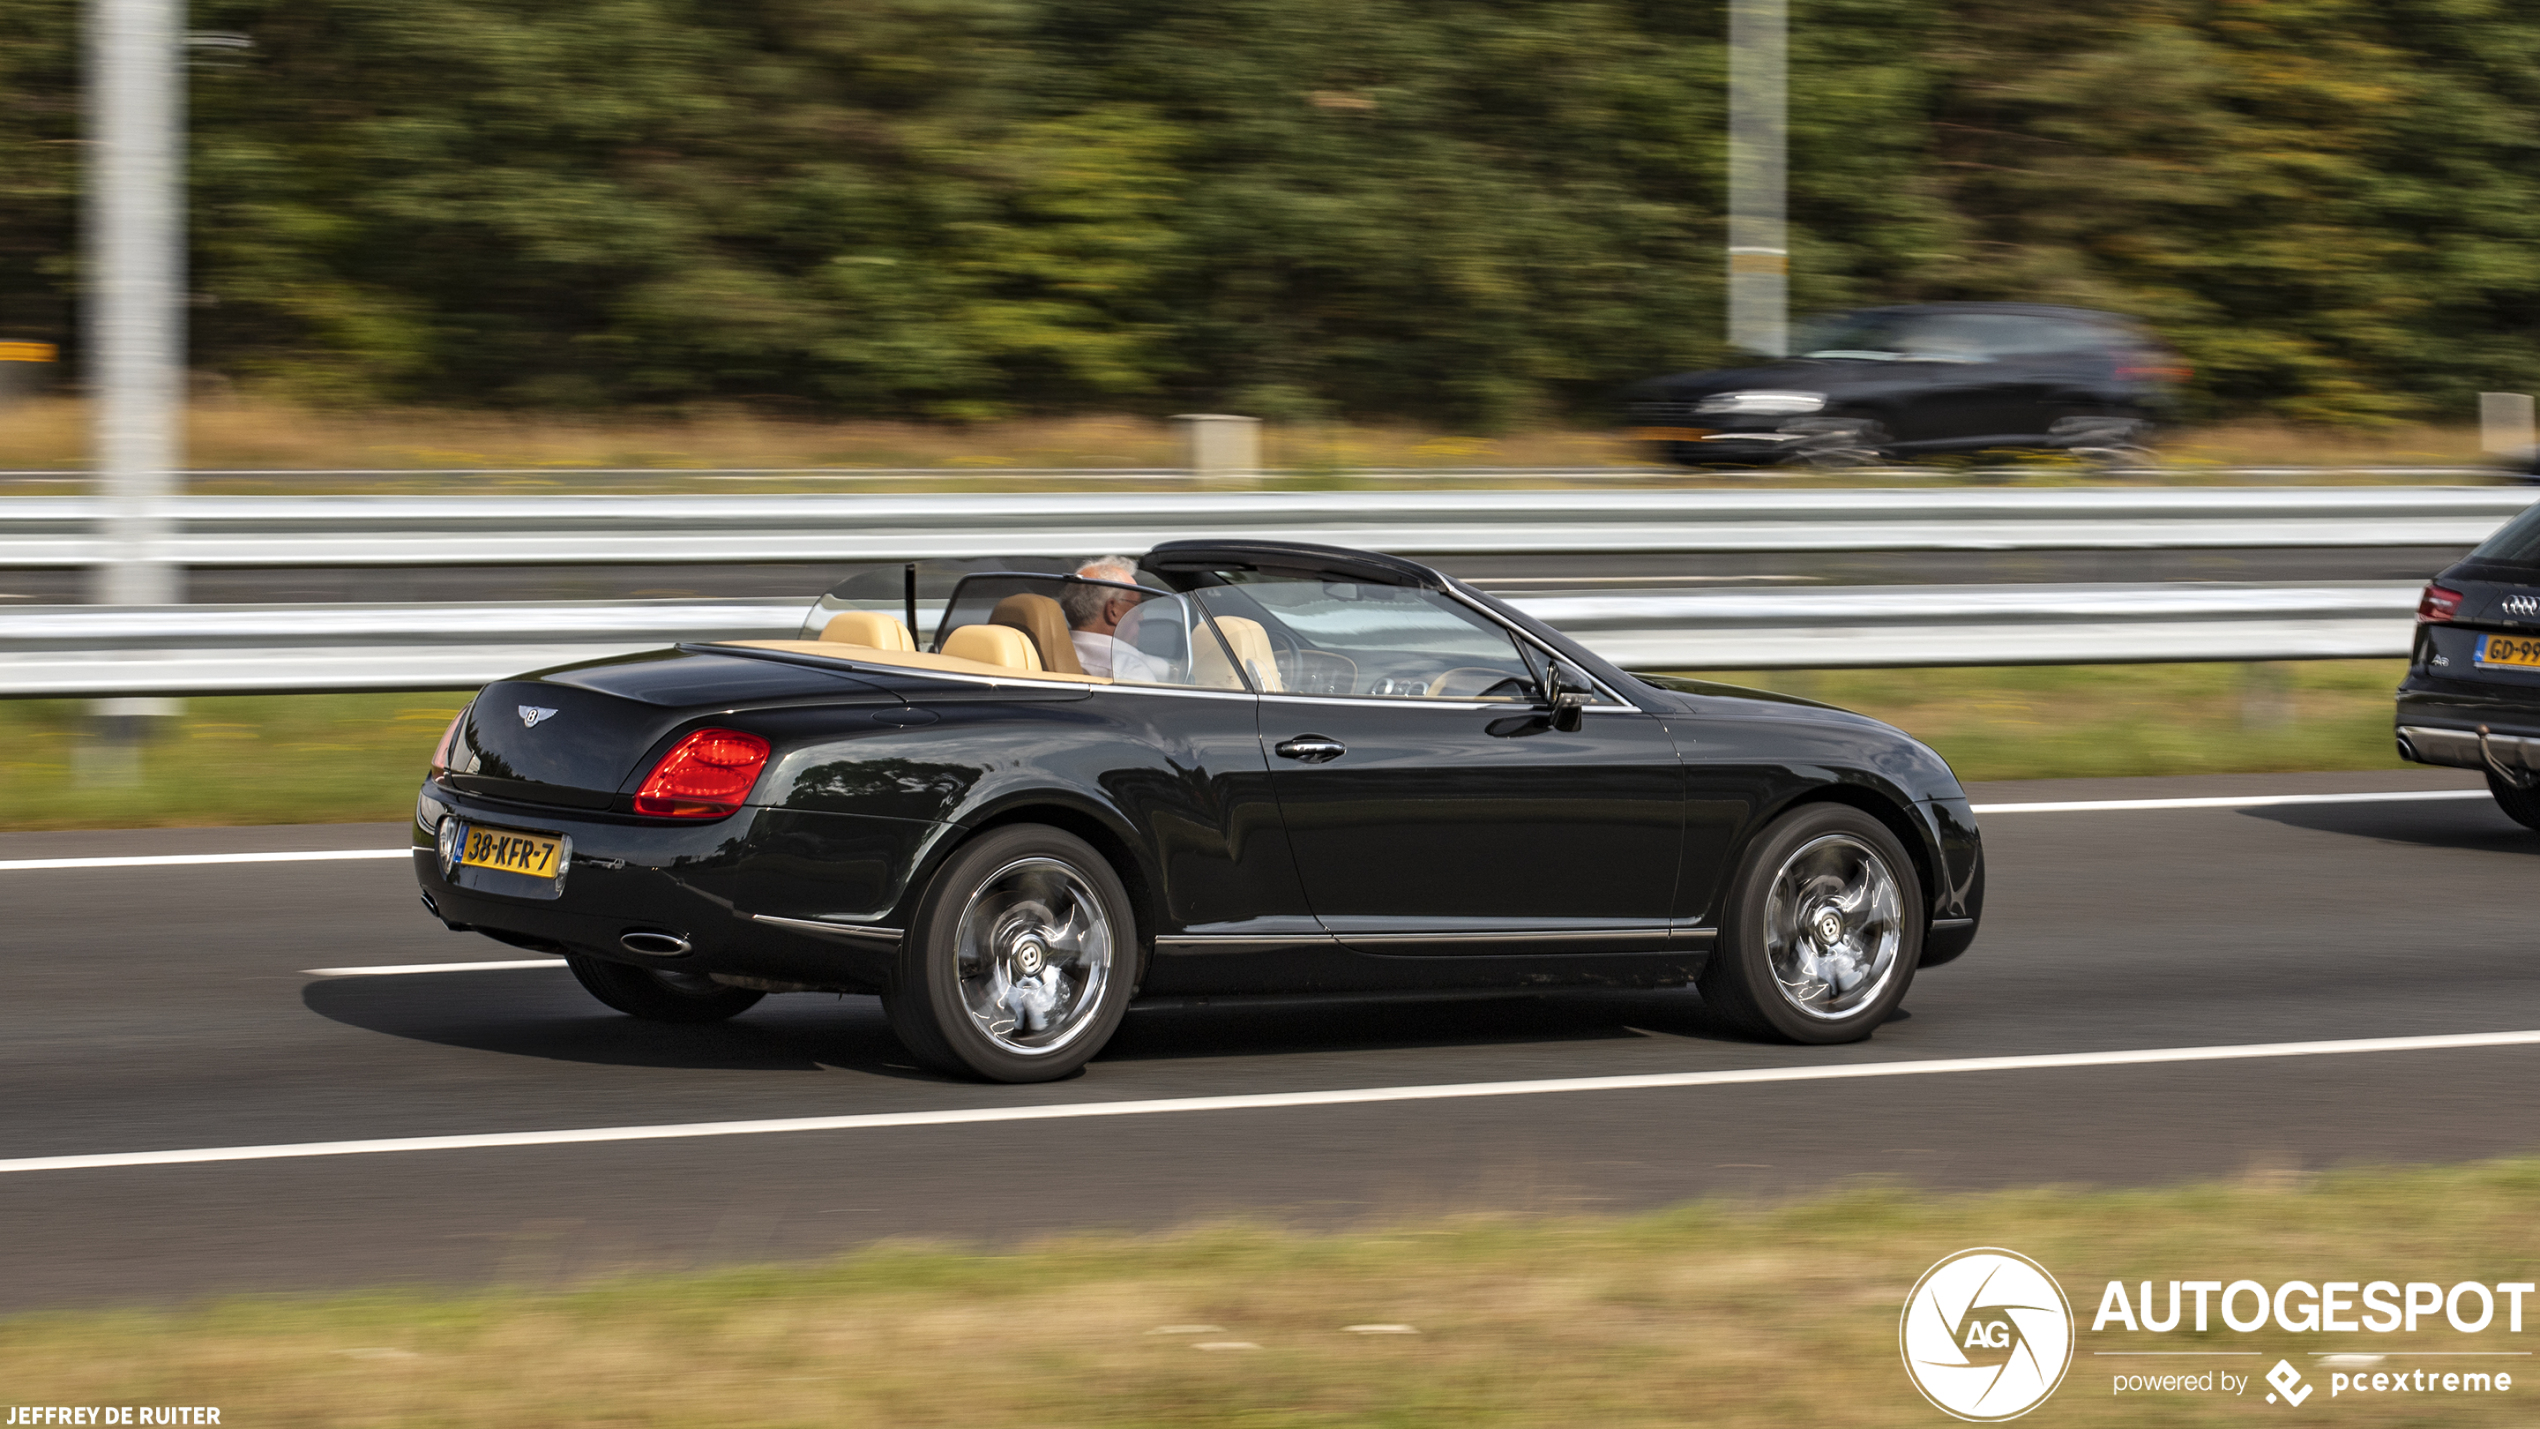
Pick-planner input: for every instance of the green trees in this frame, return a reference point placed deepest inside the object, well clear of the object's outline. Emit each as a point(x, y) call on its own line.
point(1473, 211)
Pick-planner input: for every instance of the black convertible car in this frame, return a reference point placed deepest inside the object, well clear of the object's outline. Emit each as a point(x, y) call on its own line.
point(1238, 768)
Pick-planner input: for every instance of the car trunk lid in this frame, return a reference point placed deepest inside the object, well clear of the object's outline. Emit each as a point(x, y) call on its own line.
point(573, 737)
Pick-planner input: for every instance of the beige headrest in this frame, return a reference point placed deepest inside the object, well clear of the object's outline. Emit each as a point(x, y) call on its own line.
point(994, 645)
point(1039, 617)
point(1252, 648)
point(869, 628)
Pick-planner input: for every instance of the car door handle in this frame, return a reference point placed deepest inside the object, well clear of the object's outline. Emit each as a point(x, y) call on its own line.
point(1310, 749)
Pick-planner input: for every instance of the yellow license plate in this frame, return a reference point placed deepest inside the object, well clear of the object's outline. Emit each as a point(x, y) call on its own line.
point(2519, 650)
point(510, 851)
point(1669, 434)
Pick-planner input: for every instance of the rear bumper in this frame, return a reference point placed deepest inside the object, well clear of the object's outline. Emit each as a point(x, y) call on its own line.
point(803, 900)
point(2469, 749)
point(2440, 722)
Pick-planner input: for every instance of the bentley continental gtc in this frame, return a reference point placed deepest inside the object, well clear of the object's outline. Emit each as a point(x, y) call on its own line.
point(1227, 768)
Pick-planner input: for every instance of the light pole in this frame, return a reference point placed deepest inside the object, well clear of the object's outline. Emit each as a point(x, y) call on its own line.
point(135, 289)
point(1759, 103)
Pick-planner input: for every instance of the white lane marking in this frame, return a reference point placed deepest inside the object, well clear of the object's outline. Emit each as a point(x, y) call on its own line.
point(168, 860)
point(1264, 1101)
point(397, 969)
point(2231, 801)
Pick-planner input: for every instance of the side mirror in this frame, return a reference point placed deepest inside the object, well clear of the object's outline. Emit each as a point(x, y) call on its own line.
point(1569, 711)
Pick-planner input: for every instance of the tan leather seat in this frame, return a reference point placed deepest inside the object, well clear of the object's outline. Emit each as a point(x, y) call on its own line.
point(1040, 617)
point(869, 628)
point(1252, 647)
point(994, 645)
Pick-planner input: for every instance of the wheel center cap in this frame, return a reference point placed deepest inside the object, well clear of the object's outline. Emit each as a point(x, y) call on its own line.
point(1030, 955)
point(1829, 927)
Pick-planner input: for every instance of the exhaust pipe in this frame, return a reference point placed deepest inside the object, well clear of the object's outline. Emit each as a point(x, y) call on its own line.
point(653, 943)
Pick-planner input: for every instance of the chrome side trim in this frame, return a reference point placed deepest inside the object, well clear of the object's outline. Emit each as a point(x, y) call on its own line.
point(1940, 923)
point(860, 932)
point(1184, 944)
point(1410, 702)
point(1182, 691)
point(1512, 935)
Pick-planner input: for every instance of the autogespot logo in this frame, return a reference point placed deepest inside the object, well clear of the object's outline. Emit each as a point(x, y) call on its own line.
point(1987, 1335)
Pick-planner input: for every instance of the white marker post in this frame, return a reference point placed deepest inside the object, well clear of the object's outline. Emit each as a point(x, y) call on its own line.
point(136, 328)
point(2504, 423)
point(136, 262)
point(1759, 252)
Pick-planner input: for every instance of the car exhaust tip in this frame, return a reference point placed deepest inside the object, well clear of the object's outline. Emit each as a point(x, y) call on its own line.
point(431, 907)
point(653, 943)
point(2408, 751)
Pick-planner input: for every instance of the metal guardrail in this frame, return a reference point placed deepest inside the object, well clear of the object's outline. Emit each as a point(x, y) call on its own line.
point(74, 650)
point(354, 531)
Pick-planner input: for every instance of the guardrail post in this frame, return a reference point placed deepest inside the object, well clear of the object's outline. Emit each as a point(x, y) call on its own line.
point(2504, 423)
point(1222, 448)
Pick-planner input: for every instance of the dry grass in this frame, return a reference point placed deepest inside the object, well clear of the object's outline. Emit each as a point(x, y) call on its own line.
point(243, 434)
point(547, 450)
point(1708, 1314)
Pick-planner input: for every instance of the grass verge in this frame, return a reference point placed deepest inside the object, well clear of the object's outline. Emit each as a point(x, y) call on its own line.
point(236, 759)
point(1713, 1314)
point(344, 758)
point(2110, 721)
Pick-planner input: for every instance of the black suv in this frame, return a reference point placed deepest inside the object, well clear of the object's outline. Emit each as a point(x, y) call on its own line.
point(1878, 384)
point(2472, 696)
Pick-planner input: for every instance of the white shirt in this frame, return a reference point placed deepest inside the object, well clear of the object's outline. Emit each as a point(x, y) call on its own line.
point(1102, 655)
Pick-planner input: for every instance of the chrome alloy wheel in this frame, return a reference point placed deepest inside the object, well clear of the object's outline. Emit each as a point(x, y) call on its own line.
point(1833, 926)
point(1032, 955)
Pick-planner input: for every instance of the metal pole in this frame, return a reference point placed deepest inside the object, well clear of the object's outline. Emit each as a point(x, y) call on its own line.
point(1759, 253)
point(135, 313)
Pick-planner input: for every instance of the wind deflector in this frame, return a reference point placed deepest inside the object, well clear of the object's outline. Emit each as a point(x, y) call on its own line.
point(1290, 558)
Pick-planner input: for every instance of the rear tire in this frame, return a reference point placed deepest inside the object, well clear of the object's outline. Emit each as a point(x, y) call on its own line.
point(659, 995)
point(1824, 929)
point(2520, 805)
point(1021, 961)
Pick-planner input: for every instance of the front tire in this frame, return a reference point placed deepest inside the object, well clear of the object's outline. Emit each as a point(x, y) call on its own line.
point(1824, 929)
point(658, 994)
point(2520, 805)
point(1021, 961)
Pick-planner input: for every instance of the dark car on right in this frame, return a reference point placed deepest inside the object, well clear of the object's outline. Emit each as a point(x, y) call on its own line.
point(2472, 696)
point(1879, 384)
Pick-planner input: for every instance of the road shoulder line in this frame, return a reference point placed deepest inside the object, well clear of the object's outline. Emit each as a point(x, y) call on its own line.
point(1266, 1101)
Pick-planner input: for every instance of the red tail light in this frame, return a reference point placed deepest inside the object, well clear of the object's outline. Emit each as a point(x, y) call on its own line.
point(705, 776)
point(449, 743)
point(2438, 606)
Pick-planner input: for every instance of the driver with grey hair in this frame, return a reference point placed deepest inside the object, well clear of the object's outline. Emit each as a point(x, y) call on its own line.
point(1094, 614)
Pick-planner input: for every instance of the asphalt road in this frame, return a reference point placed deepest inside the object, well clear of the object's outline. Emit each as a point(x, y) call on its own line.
point(168, 1007)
